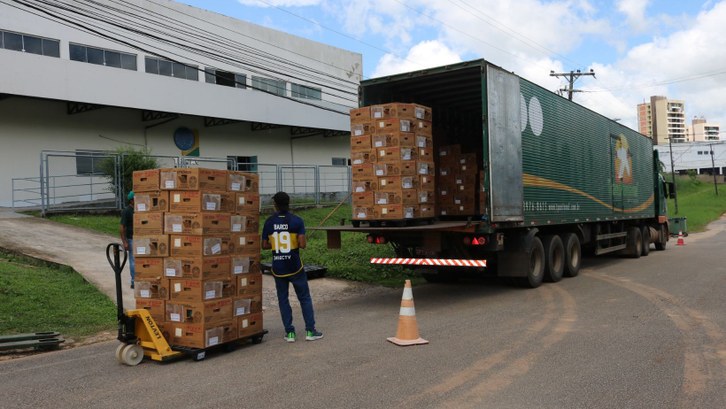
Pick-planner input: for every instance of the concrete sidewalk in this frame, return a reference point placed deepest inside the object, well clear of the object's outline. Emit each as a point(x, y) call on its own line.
point(80, 249)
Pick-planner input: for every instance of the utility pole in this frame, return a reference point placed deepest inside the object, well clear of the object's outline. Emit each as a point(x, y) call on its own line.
point(571, 76)
point(673, 172)
point(713, 168)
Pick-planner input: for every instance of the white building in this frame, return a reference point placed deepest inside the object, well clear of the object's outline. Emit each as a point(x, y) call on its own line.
point(703, 157)
point(159, 74)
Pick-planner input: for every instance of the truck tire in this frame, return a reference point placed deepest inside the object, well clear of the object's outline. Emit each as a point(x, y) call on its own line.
point(573, 255)
point(634, 243)
point(645, 234)
point(536, 265)
point(660, 245)
point(554, 257)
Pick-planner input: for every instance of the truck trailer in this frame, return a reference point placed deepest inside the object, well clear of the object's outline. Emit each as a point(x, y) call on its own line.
point(555, 180)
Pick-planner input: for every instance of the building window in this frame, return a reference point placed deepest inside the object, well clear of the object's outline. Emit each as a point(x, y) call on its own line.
point(277, 87)
point(225, 78)
point(88, 162)
point(244, 163)
point(171, 69)
point(29, 44)
point(302, 91)
point(100, 56)
point(340, 161)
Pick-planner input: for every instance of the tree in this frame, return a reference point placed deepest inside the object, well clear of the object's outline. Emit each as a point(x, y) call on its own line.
point(128, 160)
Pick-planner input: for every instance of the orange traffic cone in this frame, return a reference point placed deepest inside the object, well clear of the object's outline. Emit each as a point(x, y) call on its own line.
point(680, 241)
point(407, 333)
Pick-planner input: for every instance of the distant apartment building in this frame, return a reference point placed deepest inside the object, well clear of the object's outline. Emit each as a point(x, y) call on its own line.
point(663, 120)
point(703, 131)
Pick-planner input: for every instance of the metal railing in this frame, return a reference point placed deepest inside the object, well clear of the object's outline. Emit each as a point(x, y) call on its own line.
point(60, 189)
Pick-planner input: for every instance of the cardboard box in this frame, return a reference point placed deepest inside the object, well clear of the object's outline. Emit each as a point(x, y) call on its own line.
point(201, 268)
point(149, 267)
point(243, 182)
point(466, 182)
point(157, 288)
point(200, 335)
point(360, 115)
point(145, 180)
point(364, 199)
point(426, 182)
point(212, 179)
point(247, 203)
point(245, 264)
point(401, 110)
point(244, 224)
point(449, 151)
point(425, 168)
point(424, 141)
point(197, 223)
point(192, 179)
point(426, 211)
point(388, 212)
point(425, 197)
point(394, 139)
point(365, 185)
point(249, 284)
point(359, 158)
point(386, 198)
point(360, 143)
point(148, 223)
point(245, 244)
point(156, 308)
point(194, 246)
point(361, 129)
point(246, 305)
point(468, 163)
point(394, 154)
point(391, 125)
point(362, 213)
point(421, 127)
point(208, 312)
point(248, 325)
point(151, 246)
point(157, 201)
point(201, 201)
point(425, 154)
point(191, 290)
point(387, 169)
point(362, 171)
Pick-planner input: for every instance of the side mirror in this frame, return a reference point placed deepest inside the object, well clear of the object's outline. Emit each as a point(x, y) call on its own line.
point(670, 190)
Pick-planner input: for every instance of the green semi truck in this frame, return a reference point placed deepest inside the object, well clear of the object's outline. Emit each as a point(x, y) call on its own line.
point(555, 180)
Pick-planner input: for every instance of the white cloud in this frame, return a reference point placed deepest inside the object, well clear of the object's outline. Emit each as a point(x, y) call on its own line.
point(279, 3)
point(426, 54)
point(634, 11)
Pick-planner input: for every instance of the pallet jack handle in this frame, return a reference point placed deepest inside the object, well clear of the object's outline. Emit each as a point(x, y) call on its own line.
point(118, 266)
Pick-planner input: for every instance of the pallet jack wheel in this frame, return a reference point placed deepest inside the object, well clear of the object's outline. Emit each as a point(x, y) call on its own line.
point(132, 354)
point(118, 352)
point(257, 340)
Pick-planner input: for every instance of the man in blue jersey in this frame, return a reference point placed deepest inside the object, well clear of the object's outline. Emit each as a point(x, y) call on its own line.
point(284, 233)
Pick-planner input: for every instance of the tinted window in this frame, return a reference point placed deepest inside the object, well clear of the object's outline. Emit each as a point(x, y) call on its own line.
point(225, 78)
point(209, 75)
point(13, 41)
point(128, 61)
point(51, 48)
point(179, 70)
point(78, 53)
point(95, 56)
point(192, 73)
point(240, 80)
point(113, 59)
point(152, 65)
point(32, 45)
point(165, 68)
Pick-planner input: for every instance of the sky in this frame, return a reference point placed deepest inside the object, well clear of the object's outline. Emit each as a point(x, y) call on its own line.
point(636, 48)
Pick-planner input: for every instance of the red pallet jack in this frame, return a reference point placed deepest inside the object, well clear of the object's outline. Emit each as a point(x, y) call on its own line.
point(140, 336)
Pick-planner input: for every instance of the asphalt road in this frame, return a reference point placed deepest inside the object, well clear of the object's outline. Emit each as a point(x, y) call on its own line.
point(627, 333)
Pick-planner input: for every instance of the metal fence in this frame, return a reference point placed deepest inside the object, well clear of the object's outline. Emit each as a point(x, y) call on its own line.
point(63, 186)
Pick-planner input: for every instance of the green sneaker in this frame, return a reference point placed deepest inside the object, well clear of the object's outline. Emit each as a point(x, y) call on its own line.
point(290, 337)
point(313, 335)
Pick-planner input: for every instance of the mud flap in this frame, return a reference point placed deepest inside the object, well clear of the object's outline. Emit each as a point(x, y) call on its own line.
point(513, 261)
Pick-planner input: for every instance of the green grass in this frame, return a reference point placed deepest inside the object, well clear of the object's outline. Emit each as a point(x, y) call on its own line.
point(38, 296)
point(107, 224)
point(697, 202)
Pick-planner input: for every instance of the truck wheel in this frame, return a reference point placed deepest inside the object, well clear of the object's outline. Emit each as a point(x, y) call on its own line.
point(660, 245)
point(645, 234)
point(535, 271)
point(573, 255)
point(634, 243)
point(554, 257)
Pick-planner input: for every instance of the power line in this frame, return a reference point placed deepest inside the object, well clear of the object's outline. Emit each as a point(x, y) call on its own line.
point(571, 76)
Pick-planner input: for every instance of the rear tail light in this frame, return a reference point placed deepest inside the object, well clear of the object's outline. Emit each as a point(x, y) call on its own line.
point(475, 241)
point(376, 239)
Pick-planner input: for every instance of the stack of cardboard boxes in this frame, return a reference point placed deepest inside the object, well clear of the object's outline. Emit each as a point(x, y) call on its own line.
point(197, 250)
point(457, 187)
point(392, 162)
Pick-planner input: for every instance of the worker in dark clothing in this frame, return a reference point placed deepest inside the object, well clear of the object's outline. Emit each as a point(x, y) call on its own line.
point(284, 233)
point(126, 230)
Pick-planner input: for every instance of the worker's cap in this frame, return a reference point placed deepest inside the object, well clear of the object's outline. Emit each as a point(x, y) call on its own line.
point(281, 199)
point(131, 195)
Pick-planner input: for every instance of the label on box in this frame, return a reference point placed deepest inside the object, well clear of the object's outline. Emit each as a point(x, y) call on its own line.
point(177, 198)
point(140, 250)
point(176, 228)
point(407, 184)
point(210, 294)
point(358, 132)
point(141, 207)
point(245, 323)
point(211, 206)
point(144, 293)
point(178, 332)
point(243, 282)
point(360, 189)
point(236, 186)
point(169, 184)
point(170, 272)
point(384, 211)
point(361, 215)
point(238, 269)
point(406, 154)
point(177, 287)
point(236, 227)
point(382, 201)
point(380, 172)
point(175, 317)
point(240, 311)
point(383, 182)
point(217, 248)
point(177, 243)
point(409, 213)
